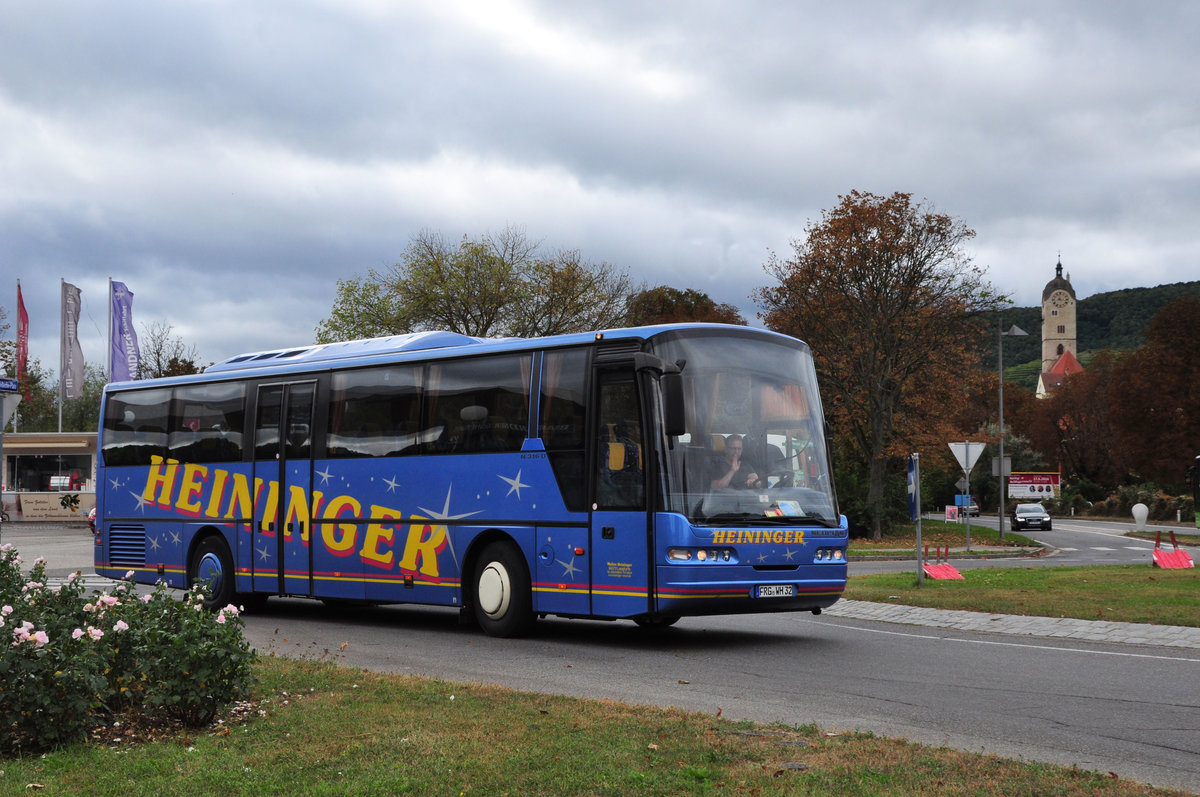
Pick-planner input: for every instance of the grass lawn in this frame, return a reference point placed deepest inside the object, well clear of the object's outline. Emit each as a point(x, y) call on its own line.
point(1124, 593)
point(336, 730)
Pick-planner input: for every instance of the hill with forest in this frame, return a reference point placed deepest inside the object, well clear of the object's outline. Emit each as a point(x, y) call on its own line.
point(1112, 321)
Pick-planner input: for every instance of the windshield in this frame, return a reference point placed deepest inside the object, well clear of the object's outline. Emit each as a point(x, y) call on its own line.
point(754, 451)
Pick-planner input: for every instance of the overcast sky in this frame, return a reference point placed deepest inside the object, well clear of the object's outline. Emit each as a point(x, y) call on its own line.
point(229, 161)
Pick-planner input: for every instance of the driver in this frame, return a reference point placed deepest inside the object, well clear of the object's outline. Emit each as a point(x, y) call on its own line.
point(732, 470)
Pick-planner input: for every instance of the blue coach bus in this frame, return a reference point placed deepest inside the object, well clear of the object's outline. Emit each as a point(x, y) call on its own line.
point(577, 475)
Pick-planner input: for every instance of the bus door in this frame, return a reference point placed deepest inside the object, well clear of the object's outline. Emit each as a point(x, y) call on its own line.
point(619, 526)
point(283, 508)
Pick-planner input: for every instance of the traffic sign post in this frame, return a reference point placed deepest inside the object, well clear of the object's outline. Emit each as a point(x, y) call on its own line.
point(9, 399)
point(967, 455)
point(914, 506)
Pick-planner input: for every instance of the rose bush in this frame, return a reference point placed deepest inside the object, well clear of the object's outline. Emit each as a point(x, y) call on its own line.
point(67, 658)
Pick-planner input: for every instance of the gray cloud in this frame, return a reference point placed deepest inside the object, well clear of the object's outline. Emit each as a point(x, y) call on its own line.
point(229, 162)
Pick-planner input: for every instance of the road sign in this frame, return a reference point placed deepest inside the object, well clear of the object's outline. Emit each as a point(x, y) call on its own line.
point(8, 385)
point(8, 405)
point(963, 485)
point(914, 488)
point(967, 454)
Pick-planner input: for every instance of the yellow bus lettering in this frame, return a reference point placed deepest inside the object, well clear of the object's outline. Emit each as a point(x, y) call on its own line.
point(160, 481)
point(189, 491)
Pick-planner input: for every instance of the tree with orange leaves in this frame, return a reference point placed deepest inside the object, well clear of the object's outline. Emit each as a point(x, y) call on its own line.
point(883, 291)
point(667, 305)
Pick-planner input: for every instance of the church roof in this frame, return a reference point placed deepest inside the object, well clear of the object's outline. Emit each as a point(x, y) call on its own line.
point(1066, 364)
point(1053, 377)
point(1059, 282)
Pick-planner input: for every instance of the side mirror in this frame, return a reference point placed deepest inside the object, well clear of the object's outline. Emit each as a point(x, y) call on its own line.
point(674, 416)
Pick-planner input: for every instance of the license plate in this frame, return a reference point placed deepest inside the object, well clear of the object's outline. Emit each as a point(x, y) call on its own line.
point(775, 591)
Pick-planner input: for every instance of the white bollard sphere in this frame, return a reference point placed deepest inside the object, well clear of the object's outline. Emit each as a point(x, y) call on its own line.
point(1140, 512)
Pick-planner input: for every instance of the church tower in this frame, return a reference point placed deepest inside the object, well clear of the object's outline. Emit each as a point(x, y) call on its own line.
point(1058, 319)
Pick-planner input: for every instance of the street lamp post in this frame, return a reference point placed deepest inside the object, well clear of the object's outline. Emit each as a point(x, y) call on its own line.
point(1013, 331)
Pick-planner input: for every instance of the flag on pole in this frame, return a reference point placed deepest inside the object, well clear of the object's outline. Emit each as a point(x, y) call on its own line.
point(72, 354)
point(124, 354)
point(22, 335)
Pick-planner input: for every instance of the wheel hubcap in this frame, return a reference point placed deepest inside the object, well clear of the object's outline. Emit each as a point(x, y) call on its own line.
point(494, 590)
point(209, 569)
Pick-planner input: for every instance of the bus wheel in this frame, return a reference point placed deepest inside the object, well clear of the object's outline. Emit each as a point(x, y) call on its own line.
point(503, 597)
point(212, 563)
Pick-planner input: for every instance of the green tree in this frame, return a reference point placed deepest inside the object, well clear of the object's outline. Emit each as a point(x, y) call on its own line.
point(883, 291)
point(666, 305)
point(496, 285)
point(83, 414)
point(363, 307)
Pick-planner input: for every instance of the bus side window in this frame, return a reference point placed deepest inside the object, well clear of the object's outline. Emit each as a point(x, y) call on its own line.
point(563, 419)
point(135, 426)
point(374, 412)
point(207, 422)
point(478, 405)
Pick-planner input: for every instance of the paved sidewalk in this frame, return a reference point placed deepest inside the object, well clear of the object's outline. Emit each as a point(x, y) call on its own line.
point(1092, 630)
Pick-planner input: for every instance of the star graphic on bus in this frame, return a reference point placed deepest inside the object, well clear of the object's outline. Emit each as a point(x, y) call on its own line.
point(154, 546)
point(569, 568)
point(141, 501)
point(514, 485)
point(325, 475)
point(445, 515)
point(175, 538)
point(265, 553)
point(116, 483)
point(392, 483)
point(789, 554)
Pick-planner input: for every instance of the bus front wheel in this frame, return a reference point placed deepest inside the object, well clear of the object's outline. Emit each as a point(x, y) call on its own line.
point(503, 595)
point(212, 563)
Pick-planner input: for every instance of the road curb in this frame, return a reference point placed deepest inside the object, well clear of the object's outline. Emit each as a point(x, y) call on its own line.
point(1172, 636)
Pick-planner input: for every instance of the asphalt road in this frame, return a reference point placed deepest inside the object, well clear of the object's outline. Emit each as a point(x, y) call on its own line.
point(1132, 710)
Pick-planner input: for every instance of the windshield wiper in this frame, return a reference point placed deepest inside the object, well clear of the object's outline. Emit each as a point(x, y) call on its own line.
point(771, 520)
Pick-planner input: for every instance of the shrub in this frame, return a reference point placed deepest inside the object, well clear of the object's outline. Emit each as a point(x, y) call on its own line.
point(66, 657)
point(49, 681)
point(192, 663)
point(1161, 505)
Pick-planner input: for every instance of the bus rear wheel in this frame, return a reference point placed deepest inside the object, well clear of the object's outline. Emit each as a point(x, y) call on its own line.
point(212, 563)
point(503, 595)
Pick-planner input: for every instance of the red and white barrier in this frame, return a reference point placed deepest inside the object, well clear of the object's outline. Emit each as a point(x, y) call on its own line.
point(1176, 559)
point(940, 569)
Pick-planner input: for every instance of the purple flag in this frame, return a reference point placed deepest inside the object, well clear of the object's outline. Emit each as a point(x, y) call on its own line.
point(125, 355)
point(72, 354)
